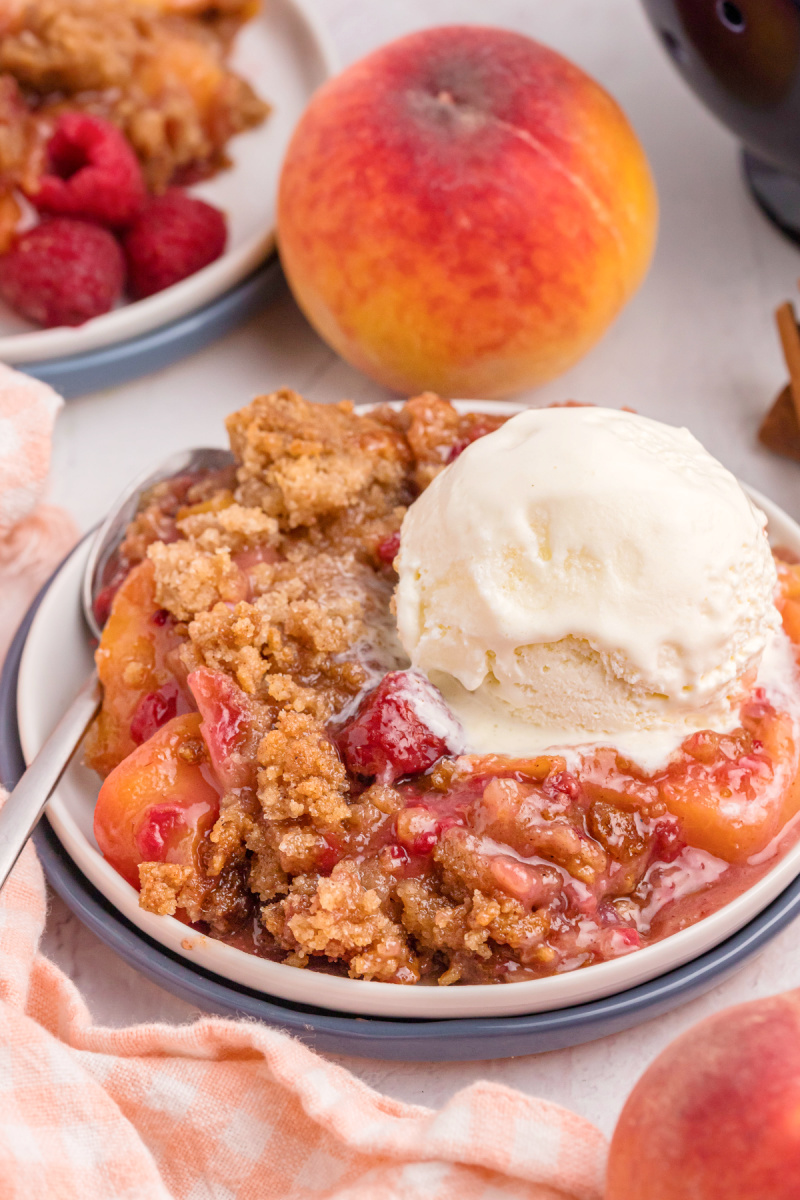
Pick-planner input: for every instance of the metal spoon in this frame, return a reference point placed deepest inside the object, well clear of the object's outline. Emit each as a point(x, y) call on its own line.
point(22, 809)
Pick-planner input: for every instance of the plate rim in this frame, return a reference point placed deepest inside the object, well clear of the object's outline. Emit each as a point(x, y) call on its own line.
point(206, 285)
point(112, 366)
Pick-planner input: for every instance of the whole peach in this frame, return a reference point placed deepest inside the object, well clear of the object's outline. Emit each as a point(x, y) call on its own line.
point(718, 1113)
point(464, 210)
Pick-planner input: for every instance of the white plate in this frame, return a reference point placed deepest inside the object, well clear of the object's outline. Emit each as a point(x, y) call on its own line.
point(57, 659)
point(286, 55)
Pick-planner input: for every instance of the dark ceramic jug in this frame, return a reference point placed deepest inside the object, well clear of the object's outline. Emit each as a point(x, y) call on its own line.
point(743, 60)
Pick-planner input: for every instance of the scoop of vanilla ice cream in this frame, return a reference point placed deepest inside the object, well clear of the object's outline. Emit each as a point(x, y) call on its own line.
point(584, 574)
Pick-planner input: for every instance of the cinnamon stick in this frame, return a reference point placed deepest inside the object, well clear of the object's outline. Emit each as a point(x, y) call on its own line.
point(780, 431)
point(790, 341)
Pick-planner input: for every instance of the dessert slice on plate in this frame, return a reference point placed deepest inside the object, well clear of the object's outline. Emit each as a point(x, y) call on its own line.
point(185, 89)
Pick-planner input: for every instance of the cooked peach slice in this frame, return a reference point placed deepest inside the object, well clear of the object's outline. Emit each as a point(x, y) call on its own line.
point(538, 767)
point(137, 666)
point(157, 805)
point(789, 600)
point(791, 618)
point(228, 728)
point(736, 803)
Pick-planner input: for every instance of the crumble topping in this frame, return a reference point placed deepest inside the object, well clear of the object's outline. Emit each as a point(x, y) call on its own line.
point(343, 919)
point(336, 478)
point(233, 528)
point(294, 643)
point(189, 580)
point(161, 885)
point(267, 877)
point(467, 928)
point(301, 773)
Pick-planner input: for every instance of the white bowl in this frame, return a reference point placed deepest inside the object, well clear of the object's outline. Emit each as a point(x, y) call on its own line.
point(286, 54)
point(57, 659)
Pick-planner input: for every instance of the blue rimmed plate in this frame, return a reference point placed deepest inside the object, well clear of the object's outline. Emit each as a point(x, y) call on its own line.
point(429, 1040)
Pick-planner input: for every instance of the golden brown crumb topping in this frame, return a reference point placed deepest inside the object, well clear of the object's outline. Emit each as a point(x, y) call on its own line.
point(189, 580)
point(301, 773)
point(292, 644)
point(337, 478)
point(161, 885)
point(343, 919)
point(232, 528)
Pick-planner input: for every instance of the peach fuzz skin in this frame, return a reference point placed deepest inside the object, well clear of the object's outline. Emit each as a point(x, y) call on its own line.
point(718, 1113)
point(464, 210)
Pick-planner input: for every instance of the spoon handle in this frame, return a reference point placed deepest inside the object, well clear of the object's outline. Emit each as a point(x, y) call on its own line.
point(24, 806)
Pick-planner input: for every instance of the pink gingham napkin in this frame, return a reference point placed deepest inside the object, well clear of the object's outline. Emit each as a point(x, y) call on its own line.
point(216, 1110)
point(34, 537)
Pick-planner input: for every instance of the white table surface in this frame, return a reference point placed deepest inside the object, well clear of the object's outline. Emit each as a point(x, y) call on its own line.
point(697, 346)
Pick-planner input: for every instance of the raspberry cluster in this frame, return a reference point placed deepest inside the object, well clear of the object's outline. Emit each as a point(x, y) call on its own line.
point(99, 230)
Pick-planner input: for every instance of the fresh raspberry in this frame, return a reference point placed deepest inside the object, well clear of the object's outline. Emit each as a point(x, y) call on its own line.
point(92, 173)
point(173, 236)
point(402, 728)
point(62, 272)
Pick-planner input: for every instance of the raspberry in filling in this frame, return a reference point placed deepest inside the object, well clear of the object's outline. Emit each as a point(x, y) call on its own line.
point(402, 727)
point(276, 775)
point(154, 710)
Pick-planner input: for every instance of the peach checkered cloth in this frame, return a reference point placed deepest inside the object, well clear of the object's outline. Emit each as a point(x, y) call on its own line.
point(216, 1110)
point(33, 536)
point(227, 1110)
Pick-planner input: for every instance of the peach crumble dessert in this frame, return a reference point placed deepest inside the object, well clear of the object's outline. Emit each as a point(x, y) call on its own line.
point(417, 695)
